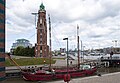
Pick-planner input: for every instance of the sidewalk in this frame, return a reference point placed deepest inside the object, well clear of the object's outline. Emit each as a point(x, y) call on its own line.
point(106, 78)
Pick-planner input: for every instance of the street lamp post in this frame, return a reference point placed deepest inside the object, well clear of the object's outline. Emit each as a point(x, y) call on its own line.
point(36, 48)
point(35, 17)
point(68, 76)
point(67, 53)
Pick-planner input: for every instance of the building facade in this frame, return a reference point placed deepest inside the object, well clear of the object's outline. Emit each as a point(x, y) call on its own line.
point(42, 48)
point(21, 42)
point(115, 50)
point(2, 40)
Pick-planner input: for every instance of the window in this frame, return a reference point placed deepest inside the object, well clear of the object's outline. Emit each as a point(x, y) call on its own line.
point(40, 54)
point(40, 30)
point(40, 21)
point(40, 39)
point(40, 47)
point(40, 42)
point(40, 51)
point(40, 33)
point(40, 36)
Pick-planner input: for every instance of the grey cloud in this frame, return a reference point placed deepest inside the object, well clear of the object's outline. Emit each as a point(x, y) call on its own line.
point(95, 36)
point(67, 14)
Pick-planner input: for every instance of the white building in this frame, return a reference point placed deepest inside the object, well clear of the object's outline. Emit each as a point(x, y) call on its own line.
point(21, 42)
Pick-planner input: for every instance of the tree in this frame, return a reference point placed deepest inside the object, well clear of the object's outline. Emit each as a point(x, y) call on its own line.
point(18, 50)
point(21, 51)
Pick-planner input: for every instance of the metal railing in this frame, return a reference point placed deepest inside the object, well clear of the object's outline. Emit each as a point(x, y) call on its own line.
point(109, 58)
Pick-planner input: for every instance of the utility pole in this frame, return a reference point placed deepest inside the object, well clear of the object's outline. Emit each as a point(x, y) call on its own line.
point(68, 75)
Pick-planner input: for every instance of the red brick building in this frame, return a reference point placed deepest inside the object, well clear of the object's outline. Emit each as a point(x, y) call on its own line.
point(42, 49)
point(2, 39)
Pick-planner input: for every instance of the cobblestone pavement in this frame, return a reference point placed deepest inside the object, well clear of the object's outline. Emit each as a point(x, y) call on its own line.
point(106, 78)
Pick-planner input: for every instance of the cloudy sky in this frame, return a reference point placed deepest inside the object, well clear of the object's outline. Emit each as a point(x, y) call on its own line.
point(99, 22)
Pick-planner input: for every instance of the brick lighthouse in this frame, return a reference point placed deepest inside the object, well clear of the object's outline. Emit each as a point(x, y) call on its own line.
point(41, 48)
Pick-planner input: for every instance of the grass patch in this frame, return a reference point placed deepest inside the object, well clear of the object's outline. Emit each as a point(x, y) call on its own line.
point(29, 61)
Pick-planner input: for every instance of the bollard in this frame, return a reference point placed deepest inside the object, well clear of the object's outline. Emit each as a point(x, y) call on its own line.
point(66, 77)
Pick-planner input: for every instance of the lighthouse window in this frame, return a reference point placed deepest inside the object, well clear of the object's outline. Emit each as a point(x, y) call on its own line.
point(40, 39)
point(40, 54)
point(40, 21)
point(40, 30)
point(40, 36)
point(40, 42)
point(40, 47)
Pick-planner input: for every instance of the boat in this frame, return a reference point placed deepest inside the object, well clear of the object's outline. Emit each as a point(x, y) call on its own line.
point(46, 75)
point(40, 74)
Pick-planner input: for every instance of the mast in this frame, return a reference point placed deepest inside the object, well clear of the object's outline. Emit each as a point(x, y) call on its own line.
point(82, 52)
point(78, 46)
point(14, 62)
point(50, 55)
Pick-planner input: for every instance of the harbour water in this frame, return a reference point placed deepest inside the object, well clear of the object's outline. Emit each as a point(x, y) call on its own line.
point(20, 80)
